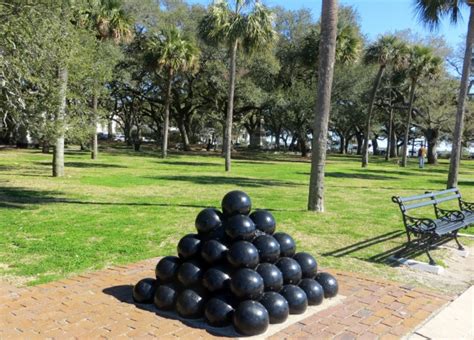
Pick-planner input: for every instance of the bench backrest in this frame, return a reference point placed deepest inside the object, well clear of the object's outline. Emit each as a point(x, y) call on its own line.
point(445, 195)
point(413, 202)
point(426, 199)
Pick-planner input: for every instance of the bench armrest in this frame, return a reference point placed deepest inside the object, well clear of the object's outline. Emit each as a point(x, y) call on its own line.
point(466, 205)
point(420, 225)
point(450, 215)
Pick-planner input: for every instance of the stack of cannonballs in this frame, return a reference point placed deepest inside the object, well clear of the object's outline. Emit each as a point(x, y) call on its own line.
point(236, 270)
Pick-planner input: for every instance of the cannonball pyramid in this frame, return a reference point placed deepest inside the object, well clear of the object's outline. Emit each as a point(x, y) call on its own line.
point(236, 270)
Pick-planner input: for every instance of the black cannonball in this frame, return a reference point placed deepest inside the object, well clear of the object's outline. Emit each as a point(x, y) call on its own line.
point(213, 252)
point(276, 305)
point(308, 264)
point(190, 273)
point(296, 297)
point(165, 296)
point(287, 244)
point(264, 221)
point(236, 202)
point(189, 246)
point(251, 318)
point(329, 284)
point(240, 227)
point(246, 284)
point(314, 291)
point(216, 279)
point(167, 268)
point(190, 304)
point(290, 269)
point(208, 220)
point(144, 290)
point(271, 275)
point(218, 312)
point(243, 254)
point(217, 234)
point(268, 248)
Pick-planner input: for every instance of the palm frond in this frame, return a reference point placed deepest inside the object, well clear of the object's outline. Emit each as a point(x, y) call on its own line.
point(430, 12)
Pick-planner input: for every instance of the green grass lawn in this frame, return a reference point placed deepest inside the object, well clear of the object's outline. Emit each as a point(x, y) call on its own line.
point(130, 206)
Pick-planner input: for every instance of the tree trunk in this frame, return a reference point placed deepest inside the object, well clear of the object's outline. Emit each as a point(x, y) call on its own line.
point(166, 123)
point(256, 136)
point(360, 141)
point(230, 108)
point(456, 149)
point(184, 135)
point(388, 151)
point(303, 147)
point(432, 136)
point(375, 146)
point(365, 147)
point(45, 146)
point(393, 144)
point(327, 54)
point(110, 129)
point(58, 153)
point(407, 127)
point(94, 141)
point(342, 147)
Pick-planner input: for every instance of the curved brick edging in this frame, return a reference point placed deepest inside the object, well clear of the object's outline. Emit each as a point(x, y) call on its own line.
point(99, 304)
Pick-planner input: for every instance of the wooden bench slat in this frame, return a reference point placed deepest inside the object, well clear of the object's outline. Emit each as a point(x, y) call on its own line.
point(414, 198)
point(448, 198)
point(443, 192)
point(418, 205)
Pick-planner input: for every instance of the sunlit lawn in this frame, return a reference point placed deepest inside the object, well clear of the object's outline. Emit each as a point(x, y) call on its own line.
point(129, 206)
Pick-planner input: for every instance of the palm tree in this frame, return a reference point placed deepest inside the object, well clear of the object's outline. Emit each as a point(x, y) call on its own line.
point(110, 22)
point(170, 52)
point(431, 12)
point(323, 103)
point(387, 50)
point(421, 63)
point(247, 25)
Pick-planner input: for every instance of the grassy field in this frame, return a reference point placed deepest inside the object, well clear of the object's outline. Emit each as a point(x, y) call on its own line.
point(129, 206)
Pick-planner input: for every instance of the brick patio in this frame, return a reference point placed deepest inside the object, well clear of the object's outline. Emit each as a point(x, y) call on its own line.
point(99, 304)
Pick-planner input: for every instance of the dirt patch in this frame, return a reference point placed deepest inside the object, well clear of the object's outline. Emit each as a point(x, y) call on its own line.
point(458, 272)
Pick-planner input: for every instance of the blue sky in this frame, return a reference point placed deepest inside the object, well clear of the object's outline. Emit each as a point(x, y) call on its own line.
point(381, 16)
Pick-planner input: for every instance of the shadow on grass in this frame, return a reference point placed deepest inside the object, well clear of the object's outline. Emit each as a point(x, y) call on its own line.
point(19, 198)
point(123, 293)
point(364, 244)
point(370, 176)
point(84, 165)
point(415, 249)
point(460, 183)
point(222, 180)
point(184, 163)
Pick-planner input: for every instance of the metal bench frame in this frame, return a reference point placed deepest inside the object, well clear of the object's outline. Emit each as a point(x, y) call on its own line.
point(428, 230)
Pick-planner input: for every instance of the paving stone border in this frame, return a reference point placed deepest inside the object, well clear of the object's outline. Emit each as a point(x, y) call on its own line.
point(99, 305)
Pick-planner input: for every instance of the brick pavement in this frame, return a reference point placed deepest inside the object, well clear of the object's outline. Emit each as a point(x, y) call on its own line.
point(99, 304)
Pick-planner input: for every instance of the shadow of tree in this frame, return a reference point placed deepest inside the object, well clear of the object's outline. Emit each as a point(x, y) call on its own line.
point(460, 183)
point(338, 174)
point(84, 165)
point(222, 180)
point(19, 198)
point(23, 198)
point(184, 163)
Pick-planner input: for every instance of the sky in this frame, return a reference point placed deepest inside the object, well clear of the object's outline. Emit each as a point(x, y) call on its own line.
point(381, 16)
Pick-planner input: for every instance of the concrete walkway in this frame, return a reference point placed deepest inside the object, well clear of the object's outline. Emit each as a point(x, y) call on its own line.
point(455, 321)
point(99, 305)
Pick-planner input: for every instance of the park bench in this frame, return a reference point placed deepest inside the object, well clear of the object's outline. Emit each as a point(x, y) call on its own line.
point(444, 224)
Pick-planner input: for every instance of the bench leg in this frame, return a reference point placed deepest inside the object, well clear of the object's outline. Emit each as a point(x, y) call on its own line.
point(427, 250)
point(460, 246)
point(399, 253)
